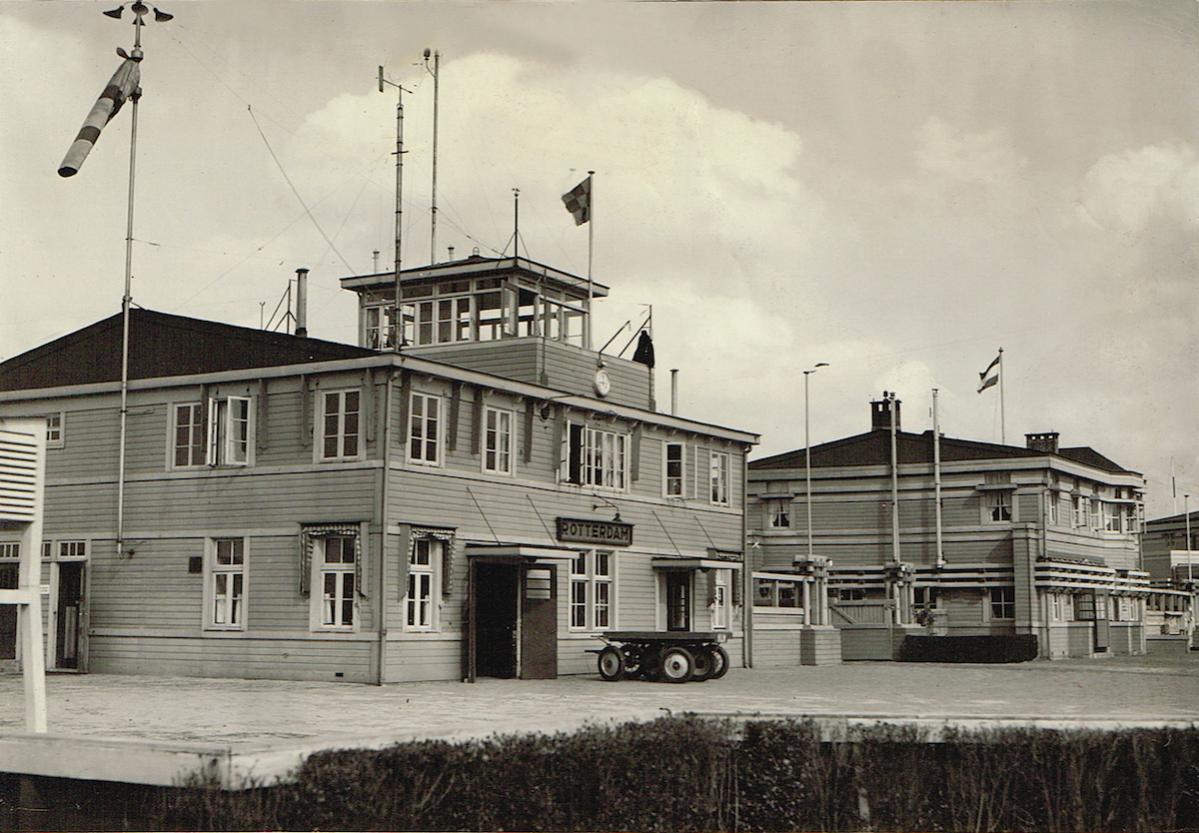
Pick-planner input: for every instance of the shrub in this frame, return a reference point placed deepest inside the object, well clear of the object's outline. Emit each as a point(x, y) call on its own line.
point(1002, 648)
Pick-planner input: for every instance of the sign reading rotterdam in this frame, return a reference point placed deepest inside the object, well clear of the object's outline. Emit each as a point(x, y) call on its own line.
point(587, 531)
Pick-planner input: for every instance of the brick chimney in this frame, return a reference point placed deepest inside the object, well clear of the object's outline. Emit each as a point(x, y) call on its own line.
point(880, 414)
point(1045, 441)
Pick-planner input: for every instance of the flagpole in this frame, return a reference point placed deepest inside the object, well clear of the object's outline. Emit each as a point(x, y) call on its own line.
point(127, 298)
point(1002, 424)
point(590, 247)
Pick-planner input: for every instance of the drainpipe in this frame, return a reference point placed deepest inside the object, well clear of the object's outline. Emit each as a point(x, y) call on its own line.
point(894, 483)
point(937, 479)
point(747, 572)
point(381, 592)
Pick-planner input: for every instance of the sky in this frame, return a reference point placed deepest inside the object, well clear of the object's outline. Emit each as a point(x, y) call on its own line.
point(897, 189)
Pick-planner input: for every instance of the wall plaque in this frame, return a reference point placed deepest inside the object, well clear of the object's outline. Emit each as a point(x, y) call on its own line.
point(588, 531)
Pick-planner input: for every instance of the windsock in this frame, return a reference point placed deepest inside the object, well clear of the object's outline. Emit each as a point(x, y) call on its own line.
point(121, 86)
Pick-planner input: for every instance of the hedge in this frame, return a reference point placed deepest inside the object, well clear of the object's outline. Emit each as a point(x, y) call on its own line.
point(685, 774)
point(1010, 648)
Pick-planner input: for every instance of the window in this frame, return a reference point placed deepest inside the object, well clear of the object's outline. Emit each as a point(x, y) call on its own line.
point(188, 436)
point(497, 446)
point(778, 593)
point(422, 566)
point(1003, 603)
point(1111, 517)
point(999, 506)
point(333, 561)
point(675, 470)
point(340, 413)
point(718, 469)
point(597, 458)
point(1080, 511)
point(1130, 518)
point(720, 599)
point(225, 584)
point(72, 549)
point(54, 431)
point(592, 590)
point(778, 511)
point(228, 431)
point(424, 431)
point(10, 550)
point(926, 598)
point(378, 329)
point(1052, 498)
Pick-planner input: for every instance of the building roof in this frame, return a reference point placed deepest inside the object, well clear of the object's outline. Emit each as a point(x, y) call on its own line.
point(477, 266)
point(874, 448)
point(161, 345)
point(1179, 519)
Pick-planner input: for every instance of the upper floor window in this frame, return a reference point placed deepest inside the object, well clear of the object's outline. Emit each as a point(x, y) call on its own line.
point(424, 430)
point(225, 584)
point(378, 328)
point(718, 469)
point(1079, 510)
point(778, 512)
point(497, 444)
point(1003, 603)
point(55, 438)
point(1111, 517)
point(1052, 499)
point(340, 418)
point(188, 435)
point(10, 550)
point(1096, 514)
point(785, 594)
point(229, 431)
point(597, 458)
point(675, 470)
point(72, 549)
point(999, 506)
point(1130, 518)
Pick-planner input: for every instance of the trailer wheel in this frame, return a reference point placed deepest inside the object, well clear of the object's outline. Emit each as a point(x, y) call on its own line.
point(720, 662)
point(611, 664)
point(678, 665)
point(650, 667)
point(704, 665)
point(632, 663)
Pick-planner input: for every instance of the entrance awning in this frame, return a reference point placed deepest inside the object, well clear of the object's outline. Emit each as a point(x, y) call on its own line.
point(693, 563)
point(524, 552)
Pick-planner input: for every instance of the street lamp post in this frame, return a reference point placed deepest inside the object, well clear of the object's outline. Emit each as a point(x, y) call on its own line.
point(807, 443)
point(1186, 511)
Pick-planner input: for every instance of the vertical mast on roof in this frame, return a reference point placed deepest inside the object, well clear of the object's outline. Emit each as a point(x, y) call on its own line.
point(436, 73)
point(397, 319)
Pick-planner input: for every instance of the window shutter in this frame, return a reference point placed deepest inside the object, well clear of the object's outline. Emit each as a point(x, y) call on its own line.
point(476, 423)
point(635, 455)
point(447, 568)
point(362, 549)
point(305, 561)
point(211, 456)
point(526, 453)
point(711, 587)
point(306, 406)
point(559, 443)
point(405, 404)
point(404, 551)
point(260, 416)
point(452, 427)
point(737, 581)
point(367, 407)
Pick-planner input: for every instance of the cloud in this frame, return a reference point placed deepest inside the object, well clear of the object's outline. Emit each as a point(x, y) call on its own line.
point(1126, 192)
point(951, 152)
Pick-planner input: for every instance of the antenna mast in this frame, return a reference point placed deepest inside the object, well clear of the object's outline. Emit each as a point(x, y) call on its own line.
point(397, 317)
point(435, 72)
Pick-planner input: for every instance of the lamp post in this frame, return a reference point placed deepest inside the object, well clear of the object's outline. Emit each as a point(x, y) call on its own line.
point(1186, 511)
point(807, 443)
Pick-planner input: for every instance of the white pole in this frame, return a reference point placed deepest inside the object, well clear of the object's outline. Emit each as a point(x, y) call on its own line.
point(894, 482)
point(937, 477)
point(433, 230)
point(1002, 422)
point(590, 251)
point(1186, 508)
point(807, 443)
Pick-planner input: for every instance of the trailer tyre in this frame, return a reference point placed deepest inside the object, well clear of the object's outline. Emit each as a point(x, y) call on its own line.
point(678, 665)
point(650, 667)
point(704, 665)
point(720, 662)
point(611, 664)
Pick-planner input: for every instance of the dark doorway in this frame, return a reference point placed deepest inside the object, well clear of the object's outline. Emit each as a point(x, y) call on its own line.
point(1102, 626)
point(678, 601)
point(70, 614)
point(8, 614)
point(539, 623)
point(497, 599)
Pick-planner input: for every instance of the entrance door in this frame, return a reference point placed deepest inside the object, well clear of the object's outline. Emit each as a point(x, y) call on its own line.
point(678, 601)
point(8, 614)
point(539, 623)
point(1102, 628)
point(497, 605)
point(70, 614)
